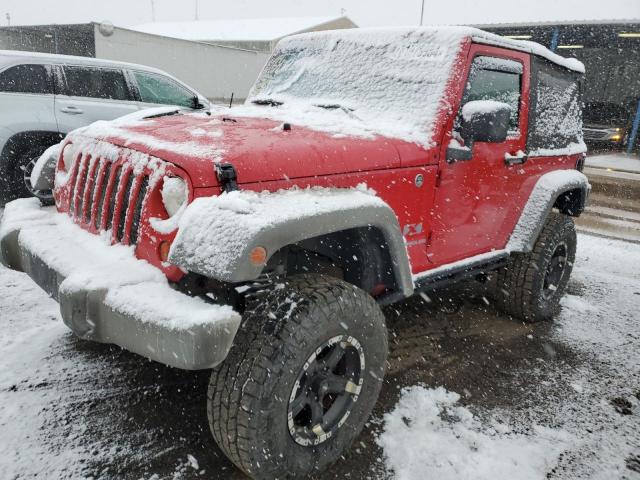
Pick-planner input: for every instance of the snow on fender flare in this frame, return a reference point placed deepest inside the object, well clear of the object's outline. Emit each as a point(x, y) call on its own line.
point(216, 234)
point(541, 201)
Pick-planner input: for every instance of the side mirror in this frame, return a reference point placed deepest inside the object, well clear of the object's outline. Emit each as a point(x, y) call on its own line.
point(482, 121)
point(485, 121)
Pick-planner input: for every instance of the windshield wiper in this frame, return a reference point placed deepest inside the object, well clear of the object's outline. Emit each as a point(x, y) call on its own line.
point(163, 114)
point(337, 106)
point(267, 101)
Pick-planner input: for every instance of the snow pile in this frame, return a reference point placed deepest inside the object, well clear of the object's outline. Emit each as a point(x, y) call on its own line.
point(428, 435)
point(214, 232)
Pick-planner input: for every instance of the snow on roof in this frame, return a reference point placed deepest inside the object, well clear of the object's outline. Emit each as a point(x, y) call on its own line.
point(245, 29)
point(19, 56)
point(382, 81)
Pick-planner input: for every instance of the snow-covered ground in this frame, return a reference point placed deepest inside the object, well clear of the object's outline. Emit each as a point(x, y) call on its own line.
point(590, 431)
point(615, 161)
point(74, 409)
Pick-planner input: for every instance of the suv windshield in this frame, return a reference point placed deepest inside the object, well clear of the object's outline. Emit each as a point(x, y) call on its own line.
point(393, 82)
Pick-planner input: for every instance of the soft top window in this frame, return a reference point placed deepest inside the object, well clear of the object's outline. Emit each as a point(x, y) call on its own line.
point(555, 114)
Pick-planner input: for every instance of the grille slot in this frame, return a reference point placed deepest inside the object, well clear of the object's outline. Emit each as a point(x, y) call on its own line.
point(103, 190)
point(114, 195)
point(81, 185)
point(77, 183)
point(122, 217)
point(92, 192)
point(137, 212)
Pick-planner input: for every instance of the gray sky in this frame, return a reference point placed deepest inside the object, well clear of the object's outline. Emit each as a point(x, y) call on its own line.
point(363, 12)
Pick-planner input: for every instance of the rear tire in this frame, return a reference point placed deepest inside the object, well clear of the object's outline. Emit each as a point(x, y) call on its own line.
point(297, 342)
point(531, 285)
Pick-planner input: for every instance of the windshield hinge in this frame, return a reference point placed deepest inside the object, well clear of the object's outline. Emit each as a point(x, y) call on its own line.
point(227, 177)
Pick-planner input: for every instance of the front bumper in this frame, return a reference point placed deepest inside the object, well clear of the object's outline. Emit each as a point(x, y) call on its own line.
point(108, 296)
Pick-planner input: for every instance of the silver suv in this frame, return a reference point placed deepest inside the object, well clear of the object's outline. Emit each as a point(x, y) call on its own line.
point(43, 97)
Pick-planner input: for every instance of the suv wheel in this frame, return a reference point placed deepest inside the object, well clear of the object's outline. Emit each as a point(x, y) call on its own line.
point(17, 174)
point(531, 286)
point(301, 379)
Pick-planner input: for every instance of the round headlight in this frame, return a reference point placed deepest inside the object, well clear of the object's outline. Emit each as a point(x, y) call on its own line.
point(174, 194)
point(68, 157)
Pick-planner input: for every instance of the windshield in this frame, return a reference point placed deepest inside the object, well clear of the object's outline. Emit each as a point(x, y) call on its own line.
point(393, 81)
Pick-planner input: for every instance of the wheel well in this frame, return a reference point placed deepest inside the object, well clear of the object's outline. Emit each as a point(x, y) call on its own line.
point(571, 202)
point(359, 256)
point(22, 141)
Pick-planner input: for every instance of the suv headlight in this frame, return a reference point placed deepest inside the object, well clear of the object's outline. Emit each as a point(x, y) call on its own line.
point(174, 194)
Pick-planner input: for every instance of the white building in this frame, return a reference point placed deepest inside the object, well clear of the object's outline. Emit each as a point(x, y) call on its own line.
point(259, 34)
point(215, 71)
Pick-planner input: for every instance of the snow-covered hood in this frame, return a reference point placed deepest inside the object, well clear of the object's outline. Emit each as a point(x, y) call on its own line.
point(260, 149)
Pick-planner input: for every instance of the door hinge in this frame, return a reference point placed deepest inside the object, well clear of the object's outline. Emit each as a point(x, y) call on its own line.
point(227, 177)
point(438, 178)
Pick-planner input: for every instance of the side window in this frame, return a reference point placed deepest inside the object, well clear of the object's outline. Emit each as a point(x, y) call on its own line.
point(26, 79)
point(496, 79)
point(158, 89)
point(555, 118)
point(107, 83)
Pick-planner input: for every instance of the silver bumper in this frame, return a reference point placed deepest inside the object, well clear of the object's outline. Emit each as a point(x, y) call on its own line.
point(86, 310)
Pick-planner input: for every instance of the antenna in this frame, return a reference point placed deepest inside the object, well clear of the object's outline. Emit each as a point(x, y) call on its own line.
point(231, 101)
point(422, 13)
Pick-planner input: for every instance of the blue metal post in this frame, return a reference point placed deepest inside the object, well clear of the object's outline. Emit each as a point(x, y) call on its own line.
point(634, 130)
point(555, 37)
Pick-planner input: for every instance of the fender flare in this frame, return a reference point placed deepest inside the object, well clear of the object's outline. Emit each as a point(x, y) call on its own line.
point(216, 234)
point(546, 194)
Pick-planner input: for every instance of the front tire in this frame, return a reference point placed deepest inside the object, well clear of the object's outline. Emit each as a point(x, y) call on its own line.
point(532, 284)
point(301, 379)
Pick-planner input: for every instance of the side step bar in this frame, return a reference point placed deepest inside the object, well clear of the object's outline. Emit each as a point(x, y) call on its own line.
point(464, 269)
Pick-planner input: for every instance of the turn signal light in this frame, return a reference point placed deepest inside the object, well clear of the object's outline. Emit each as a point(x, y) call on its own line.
point(258, 256)
point(163, 250)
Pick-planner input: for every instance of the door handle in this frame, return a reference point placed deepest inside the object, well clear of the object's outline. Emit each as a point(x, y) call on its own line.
point(72, 110)
point(517, 159)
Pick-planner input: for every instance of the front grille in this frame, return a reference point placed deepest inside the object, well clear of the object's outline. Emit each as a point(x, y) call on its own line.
point(104, 195)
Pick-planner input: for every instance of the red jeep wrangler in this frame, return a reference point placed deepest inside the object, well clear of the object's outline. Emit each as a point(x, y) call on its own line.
point(261, 240)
